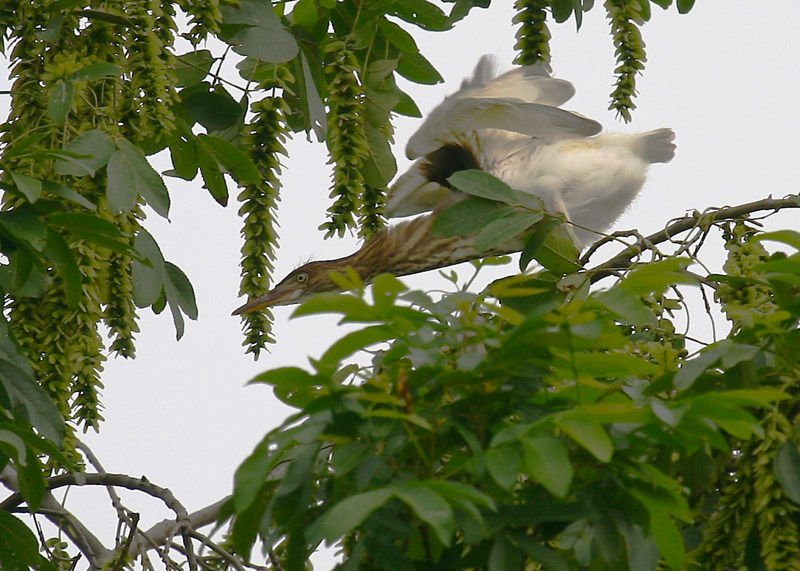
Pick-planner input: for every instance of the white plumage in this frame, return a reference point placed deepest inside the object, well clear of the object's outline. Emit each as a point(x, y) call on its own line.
point(511, 127)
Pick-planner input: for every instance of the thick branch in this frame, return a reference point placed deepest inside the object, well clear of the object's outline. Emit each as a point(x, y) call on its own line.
point(88, 544)
point(159, 532)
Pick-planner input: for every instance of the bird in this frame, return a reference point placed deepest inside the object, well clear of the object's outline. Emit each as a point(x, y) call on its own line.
point(513, 127)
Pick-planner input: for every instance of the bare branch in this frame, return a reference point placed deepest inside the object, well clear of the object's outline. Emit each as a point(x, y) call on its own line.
point(624, 260)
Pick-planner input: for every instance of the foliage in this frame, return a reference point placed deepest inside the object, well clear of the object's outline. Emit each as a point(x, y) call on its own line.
point(542, 423)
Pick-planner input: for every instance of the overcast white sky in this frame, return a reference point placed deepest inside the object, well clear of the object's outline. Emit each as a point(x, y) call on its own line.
point(725, 78)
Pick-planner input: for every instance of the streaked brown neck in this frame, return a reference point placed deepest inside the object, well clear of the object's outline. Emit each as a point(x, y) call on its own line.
point(409, 248)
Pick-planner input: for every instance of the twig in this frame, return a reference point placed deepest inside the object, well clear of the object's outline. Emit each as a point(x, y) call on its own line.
point(127, 545)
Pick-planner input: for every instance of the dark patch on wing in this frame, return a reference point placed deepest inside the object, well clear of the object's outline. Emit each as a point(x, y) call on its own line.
point(446, 160)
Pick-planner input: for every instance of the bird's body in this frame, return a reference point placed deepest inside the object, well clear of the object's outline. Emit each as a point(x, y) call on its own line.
point(511, 127)
point(590, 178)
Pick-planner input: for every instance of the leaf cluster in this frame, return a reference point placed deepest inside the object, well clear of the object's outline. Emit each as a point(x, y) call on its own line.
point(532, 424)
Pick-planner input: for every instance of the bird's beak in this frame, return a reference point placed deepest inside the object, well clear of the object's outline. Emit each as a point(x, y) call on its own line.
point(269, 299)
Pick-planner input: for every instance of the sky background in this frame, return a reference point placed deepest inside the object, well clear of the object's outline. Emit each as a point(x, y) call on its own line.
point(724, 77)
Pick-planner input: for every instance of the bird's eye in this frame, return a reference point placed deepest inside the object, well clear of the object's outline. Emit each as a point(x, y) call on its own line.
point(301, 278)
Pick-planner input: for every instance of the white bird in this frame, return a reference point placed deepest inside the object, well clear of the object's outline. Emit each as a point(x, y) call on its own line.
point(513, 128)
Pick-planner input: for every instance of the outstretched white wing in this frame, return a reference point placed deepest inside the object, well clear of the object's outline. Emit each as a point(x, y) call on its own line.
point(524, 100)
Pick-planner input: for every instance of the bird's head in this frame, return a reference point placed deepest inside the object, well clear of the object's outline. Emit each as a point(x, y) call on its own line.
point(296, 287)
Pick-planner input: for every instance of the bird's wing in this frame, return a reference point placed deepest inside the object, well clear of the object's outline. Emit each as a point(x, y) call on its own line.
point(413, 192)
point(458, 116)
point(517, 97)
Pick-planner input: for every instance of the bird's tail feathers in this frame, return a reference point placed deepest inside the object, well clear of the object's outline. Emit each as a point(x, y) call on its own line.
point(657, 146)
point(485, 70)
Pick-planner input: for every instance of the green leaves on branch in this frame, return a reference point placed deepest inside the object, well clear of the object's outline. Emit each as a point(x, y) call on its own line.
point(157, 283)
point(499, 214)
point(62, 93)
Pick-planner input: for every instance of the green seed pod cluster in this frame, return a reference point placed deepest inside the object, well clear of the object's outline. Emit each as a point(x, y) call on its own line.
point(152, 79)
point(744, 302)
point(728, 526)
point(265, 140)
point(533, 35)
point(52, 52)
point(776, 514)
point(204, 19)
point(625, 20)
point(347, 141)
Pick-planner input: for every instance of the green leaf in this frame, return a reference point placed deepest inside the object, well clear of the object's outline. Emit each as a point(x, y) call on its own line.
point(263, 36)
point(290, 377)
point(787, 470)
point(20, 146)
point(59, 253)
point(212, 174)
point(180, 290)
point(31, 478)
point(59, 102)
point(547, 460)
point(305, 13)
point(27, 185)
point(552, 245)
point(184, 157)
point(588, 433)
point(192, 68)
point(547, 557)
point(91, 228)
point(468, 216)
point(503, 465)
point(24, 393)
point(421, 13)
point(610, 365)
point(353, 308)
point(398, 415)
point(655, 277)
point(22, 225)
point(668, 539)
point(692, 369)
point(505, 229)
point(148, 275)
point(232, 158)
point(355, 341)
point(346, 515)
point(180, 297)
point(627, 306)
point(503, 555)
point(53, 30)
point(431, 508)
point(379, 167)
point(562, 10)
point(299, 469)
point(385, 289)
point(92, 151)
point(481, 184)
point(414, 67)
point(397, 36)
point(97, 71)
point(317, 116)
point(131, 176)
point(18, 546)
point(684, 6)
point(457, 490)
point(215, 110)
point(67, 193)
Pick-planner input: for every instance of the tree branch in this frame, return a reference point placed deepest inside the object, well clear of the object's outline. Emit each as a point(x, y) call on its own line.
point(86, 542)
point(624, 260)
